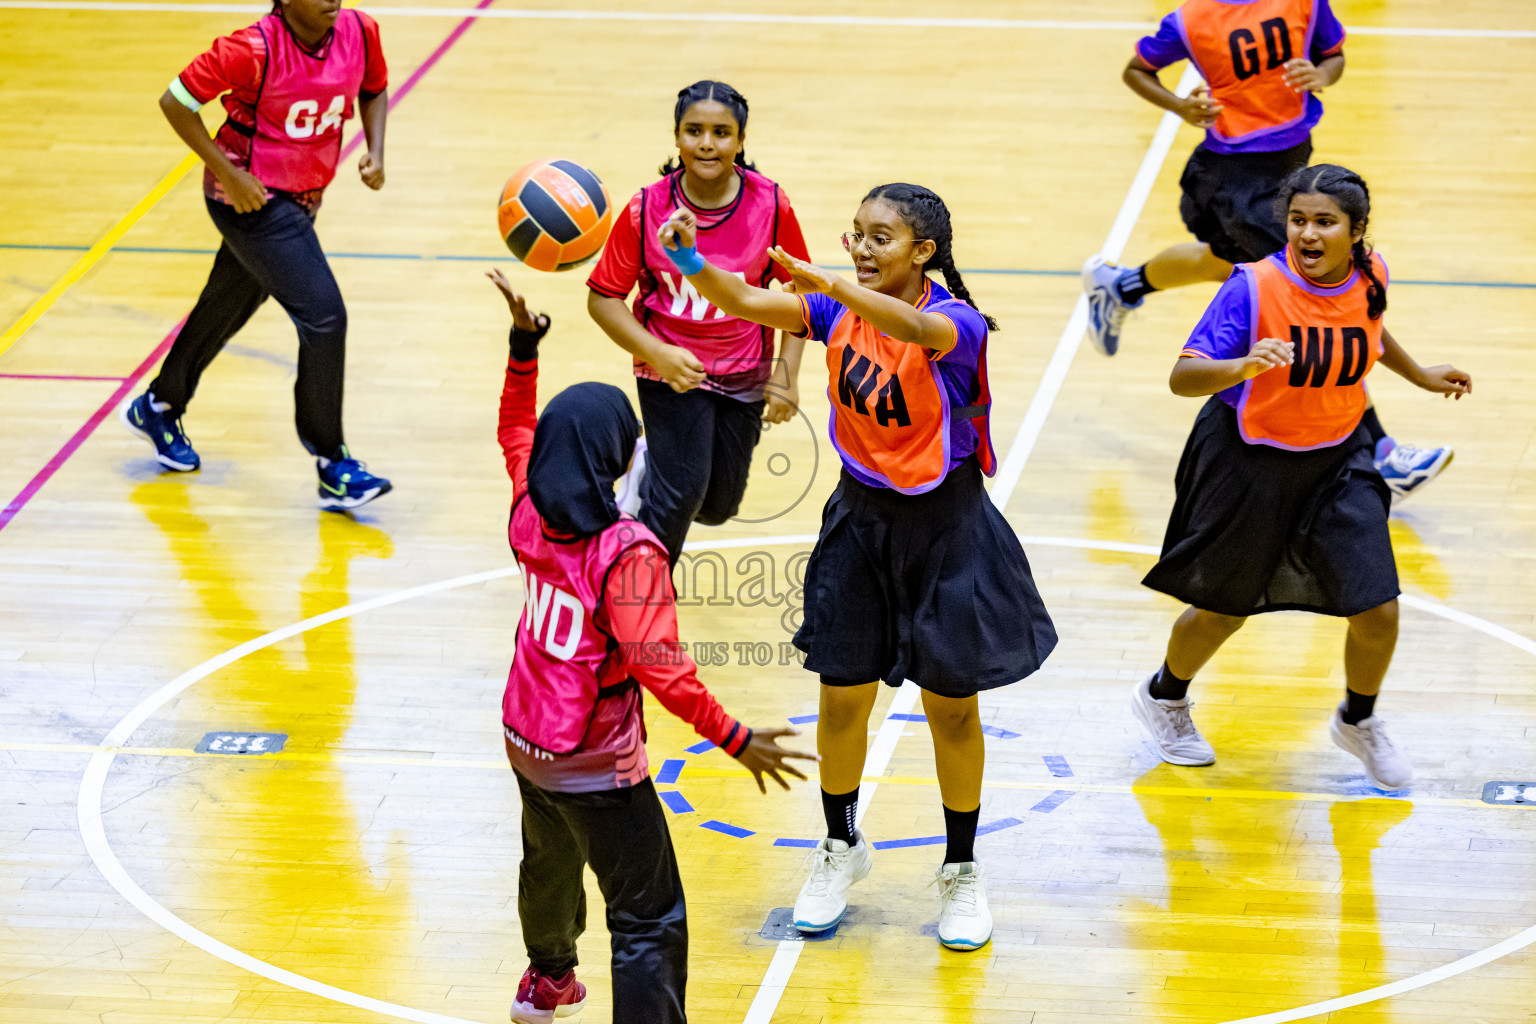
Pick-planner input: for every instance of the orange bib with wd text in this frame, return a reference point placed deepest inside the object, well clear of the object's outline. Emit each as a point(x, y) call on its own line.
point(1318, 400)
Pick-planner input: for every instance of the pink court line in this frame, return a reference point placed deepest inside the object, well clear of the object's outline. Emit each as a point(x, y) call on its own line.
point(127, 384)
point(54, 376)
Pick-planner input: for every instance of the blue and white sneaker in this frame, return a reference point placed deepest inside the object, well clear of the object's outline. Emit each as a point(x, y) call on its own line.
point(172, 449)
point(1106, 309)
point(346, 484)
point(1406, 469)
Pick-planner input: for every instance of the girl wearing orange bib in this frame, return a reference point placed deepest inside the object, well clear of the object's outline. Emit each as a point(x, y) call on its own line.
point(915, 575)
point(1279, 506)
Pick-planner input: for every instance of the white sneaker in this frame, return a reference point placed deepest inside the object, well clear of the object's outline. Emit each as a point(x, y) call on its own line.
point(965, 923)
point(835, 866)
point(1173, 732)
point(626, 489)
point(1106, 310)
point(1385, 765)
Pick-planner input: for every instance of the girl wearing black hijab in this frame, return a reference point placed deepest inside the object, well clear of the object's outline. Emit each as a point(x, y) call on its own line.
point(599, 623)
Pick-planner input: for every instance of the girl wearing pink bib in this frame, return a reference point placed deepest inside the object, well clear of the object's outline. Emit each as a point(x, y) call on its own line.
point(702, 375)
point(289, 83)
point(599, 624)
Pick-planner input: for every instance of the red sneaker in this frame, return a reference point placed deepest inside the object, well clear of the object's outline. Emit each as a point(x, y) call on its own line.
point(540, 998)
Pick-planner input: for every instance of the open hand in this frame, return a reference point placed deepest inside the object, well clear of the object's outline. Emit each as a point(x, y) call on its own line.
point(1447, 380)
point(521, 318)
point(1267, 354)
point(371, 168)
point(764, 755)
point(1304, 76)
point(1199, 109)
point(681, 229)
point(806, 277)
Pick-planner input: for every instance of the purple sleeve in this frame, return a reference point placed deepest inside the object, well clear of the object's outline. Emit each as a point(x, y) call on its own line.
point(1226, 329)
point(970, 331)
point(820, 313)
point(1328, 35)
point(1166, 46)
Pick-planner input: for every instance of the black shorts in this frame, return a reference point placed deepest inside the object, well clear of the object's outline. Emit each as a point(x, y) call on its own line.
point(1260, 529)
point(929, 587)
point(1229, 200)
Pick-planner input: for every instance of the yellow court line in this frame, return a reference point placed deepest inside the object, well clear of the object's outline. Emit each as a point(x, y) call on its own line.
point(14, 332)
point(699, 771)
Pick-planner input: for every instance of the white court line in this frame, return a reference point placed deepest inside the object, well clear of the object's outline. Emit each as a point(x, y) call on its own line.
point(92, 827)
point(719, 17)
point(1072, 335)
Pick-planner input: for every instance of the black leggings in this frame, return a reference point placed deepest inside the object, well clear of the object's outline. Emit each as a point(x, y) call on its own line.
point(700, 449)
point(623, 834)
point(273, 251)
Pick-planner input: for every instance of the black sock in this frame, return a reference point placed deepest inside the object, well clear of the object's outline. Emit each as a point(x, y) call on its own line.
point(1168, 686)
point(840, 809)
point(960, 835)
point(1357, 707)
point(1133, 285)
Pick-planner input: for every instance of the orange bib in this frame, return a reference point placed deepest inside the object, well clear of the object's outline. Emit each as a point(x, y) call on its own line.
point(1240, 50)
point(1318, 400)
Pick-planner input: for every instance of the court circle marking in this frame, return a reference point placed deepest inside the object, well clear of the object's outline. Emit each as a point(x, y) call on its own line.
point(93, 782)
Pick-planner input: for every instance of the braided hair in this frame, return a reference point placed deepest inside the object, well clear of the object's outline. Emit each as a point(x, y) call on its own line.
point(721, 93)
point(1348, 190)
point(924, 212)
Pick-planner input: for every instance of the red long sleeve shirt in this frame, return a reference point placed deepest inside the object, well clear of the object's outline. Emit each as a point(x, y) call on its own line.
point(639, 610)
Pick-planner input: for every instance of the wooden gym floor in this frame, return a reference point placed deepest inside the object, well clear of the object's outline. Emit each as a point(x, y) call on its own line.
point(367, 871)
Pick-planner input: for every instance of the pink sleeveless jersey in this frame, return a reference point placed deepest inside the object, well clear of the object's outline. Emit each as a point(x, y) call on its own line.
point(567, 681)
point(305, 98)
point(736, 238)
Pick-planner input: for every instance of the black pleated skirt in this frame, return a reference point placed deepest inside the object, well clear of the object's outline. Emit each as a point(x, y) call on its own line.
point(929, 587)
point(1261, 529)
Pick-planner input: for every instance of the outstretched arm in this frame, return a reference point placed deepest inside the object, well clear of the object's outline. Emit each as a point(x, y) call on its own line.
point(1444, 379)
point(520, 391)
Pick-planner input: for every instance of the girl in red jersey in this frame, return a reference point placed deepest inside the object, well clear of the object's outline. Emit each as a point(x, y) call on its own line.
point(289, 83)
point(1278, 504)
point(915, 575)
point(599, 623)
point(702, 374)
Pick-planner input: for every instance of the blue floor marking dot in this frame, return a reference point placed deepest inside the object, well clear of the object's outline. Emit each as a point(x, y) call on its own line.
point(802, 719)
point(699, 748)
point(1058, 766)
point(670, 770)
point(734, 831)
point(676, 802)
point(1053, 801)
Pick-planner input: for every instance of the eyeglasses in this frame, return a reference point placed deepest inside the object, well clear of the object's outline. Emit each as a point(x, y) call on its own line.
point(876, 244)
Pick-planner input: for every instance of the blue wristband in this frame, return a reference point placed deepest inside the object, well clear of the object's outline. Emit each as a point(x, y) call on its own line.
point(686, 259)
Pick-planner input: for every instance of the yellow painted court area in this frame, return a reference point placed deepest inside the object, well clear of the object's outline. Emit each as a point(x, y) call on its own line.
point(367, 872)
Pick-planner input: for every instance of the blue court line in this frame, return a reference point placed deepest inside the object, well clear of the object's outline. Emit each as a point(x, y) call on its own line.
point(1053, 801)
point(734, 831)
point(805, 843)
point(909, 718)
point(670, 770)
point(700, 747)
point(676, 802)
point(897, 844)
point(155, 250)
point(999, 732)
point(803, 719)
point(1056, 763)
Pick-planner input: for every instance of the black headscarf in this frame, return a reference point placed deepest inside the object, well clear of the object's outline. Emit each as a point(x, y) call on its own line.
point(582, 444)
